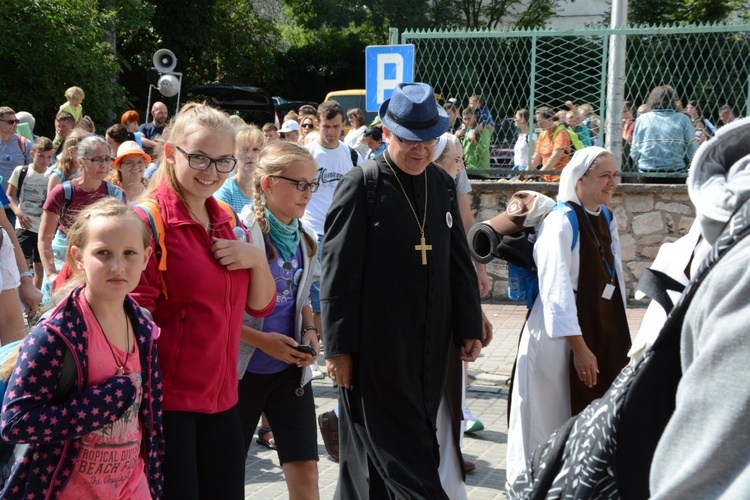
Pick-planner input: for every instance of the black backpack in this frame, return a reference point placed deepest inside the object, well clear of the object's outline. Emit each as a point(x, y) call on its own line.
point(607, 449)
point(372, 181)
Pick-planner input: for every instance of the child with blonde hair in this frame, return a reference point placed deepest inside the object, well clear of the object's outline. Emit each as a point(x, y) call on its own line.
point(102, 437)
point(237, 191)
point(75, 97)
point(275, 372)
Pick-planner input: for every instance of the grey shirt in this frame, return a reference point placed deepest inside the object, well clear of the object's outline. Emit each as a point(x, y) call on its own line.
point(705, 449)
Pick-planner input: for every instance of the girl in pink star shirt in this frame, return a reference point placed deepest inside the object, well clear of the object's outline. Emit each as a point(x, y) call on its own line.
point(103, 438)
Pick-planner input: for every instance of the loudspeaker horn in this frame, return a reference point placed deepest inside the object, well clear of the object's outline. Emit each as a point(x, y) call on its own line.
point(165, 60)
point(169, 85)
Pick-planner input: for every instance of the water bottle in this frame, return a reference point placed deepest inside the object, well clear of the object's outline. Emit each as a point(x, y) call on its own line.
point(517, 282)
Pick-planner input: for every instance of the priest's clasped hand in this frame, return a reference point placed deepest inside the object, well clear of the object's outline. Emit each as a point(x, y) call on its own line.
point(340, 369)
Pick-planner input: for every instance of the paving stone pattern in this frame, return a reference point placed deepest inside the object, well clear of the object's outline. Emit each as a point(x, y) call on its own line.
point(487, 398)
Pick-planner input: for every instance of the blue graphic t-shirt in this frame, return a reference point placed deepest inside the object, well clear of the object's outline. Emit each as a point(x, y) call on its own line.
point(287, 274)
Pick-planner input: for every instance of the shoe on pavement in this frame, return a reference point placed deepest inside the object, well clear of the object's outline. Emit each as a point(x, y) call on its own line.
point(316, 373)
point(469, 466)
point(329, 429)
point(473, 426)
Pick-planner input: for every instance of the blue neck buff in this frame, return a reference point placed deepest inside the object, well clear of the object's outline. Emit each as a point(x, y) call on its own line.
point(285, 236)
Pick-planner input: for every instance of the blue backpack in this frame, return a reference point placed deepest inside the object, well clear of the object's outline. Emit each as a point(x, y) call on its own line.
point(532, 277)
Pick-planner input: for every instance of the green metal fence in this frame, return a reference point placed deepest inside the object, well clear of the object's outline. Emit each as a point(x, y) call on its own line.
point(528, 69)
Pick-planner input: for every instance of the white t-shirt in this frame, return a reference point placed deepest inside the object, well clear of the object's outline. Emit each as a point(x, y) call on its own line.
point(9, 276)
point(333, 164)
point(31, 197)
point(521, 155)
point(354, 140)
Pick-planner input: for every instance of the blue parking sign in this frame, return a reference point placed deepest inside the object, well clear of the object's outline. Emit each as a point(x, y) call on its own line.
point(385, 67)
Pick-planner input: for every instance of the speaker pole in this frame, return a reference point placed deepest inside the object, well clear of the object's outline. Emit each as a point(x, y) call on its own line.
point(148, 103)
point(179, 91)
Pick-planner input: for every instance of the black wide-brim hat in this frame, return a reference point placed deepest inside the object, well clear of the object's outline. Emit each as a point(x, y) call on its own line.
point(413, 114)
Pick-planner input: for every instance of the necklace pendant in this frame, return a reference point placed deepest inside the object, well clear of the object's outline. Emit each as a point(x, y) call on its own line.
point(422, 247)
point(122, 370)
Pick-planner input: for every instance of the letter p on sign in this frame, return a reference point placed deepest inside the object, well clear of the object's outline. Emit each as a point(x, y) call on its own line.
point(385, 67)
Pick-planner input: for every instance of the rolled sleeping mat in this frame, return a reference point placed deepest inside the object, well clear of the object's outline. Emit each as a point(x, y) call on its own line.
point(483, 242)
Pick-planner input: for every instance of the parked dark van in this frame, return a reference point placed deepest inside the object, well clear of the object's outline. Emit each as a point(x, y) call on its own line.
point(252, 104)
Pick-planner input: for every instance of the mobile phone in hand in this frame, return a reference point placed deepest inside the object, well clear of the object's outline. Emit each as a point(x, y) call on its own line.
point(306, 349)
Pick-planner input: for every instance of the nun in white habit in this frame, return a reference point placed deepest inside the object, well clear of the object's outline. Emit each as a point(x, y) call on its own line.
point(541, 393)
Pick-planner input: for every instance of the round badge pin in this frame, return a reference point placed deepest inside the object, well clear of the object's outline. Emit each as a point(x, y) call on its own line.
point(448, 219)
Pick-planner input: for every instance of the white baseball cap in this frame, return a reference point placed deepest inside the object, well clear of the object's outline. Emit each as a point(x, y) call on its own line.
point(289, 126)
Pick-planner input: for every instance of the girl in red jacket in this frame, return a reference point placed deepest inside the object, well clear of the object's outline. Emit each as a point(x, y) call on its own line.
point(198, 296)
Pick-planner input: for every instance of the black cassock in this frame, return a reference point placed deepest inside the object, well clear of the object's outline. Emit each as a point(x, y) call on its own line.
point(395, 316)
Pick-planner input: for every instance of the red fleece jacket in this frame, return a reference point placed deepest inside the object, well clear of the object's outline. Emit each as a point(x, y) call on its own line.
point(201, 316)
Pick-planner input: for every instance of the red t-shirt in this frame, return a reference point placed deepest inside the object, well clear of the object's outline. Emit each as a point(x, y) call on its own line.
point(80, 199)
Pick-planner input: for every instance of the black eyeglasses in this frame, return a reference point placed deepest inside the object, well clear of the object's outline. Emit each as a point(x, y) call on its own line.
point(11, 122)
point(300, 185)
point(410, 144)
point(98, 159)
point(203, 162)
point(307, 125)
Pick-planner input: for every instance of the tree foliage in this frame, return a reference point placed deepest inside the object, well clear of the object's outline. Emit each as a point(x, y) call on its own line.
point(300, 49)
point(683, 11)
point(51, 45)
point(496, 14)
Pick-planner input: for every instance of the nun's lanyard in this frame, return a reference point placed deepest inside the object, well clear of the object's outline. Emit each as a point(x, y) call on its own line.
point(610, 268)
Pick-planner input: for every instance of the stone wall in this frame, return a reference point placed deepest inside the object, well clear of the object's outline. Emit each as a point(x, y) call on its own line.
point(647, 216)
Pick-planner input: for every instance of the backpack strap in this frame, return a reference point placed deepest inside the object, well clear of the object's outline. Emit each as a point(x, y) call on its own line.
point(354, 155)
point(67, 188)
point(561, 128)
point(372, 179)
point(151, 210)
point(228, 209)
point(21, 178)
point(567, 209)
point(23, 144)
point(114, 191)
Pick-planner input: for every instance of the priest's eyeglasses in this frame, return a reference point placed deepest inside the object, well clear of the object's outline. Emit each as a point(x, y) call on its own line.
point(300, 185)
point(203, 162)
point(411, 144)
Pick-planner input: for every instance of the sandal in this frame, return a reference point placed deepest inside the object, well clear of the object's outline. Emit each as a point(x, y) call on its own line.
point(268, 443)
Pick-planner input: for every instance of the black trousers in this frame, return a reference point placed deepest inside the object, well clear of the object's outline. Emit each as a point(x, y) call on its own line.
point(204, 457)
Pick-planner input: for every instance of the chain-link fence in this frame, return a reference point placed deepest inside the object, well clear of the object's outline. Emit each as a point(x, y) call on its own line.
point(529, 69)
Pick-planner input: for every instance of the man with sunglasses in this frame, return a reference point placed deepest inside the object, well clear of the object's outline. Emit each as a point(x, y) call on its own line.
point(398, 288)
point(15, 150)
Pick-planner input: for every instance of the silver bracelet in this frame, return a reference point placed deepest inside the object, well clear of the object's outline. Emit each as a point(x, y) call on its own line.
point(25, 274)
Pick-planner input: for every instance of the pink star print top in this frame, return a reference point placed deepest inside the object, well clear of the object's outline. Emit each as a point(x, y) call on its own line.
point(110, 463)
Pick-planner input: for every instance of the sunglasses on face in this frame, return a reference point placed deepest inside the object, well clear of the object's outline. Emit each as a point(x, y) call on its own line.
point(11, 122)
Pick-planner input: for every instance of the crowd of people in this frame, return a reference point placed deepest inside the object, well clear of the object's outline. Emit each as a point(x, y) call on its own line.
point(114, 229)
point(296, 235)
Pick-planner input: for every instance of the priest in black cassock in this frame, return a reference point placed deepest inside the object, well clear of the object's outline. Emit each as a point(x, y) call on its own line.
point(397, 287)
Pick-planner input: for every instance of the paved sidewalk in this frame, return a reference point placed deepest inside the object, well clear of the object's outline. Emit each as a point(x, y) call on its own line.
point(487, 398)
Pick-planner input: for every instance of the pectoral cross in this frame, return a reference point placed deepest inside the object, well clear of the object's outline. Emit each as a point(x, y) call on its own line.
point(423, 248)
